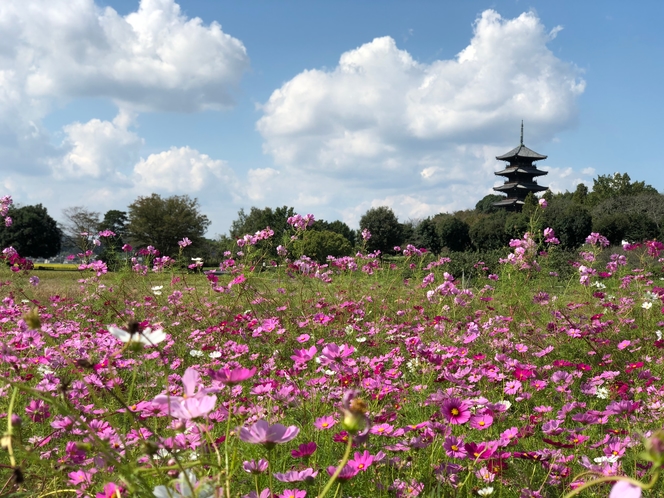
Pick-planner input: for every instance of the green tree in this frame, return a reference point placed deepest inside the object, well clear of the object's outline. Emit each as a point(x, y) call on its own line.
point(489, 232)
point(485, 205)
point(386, 231)
point(162, 222)
point(336, 226)
point(115, 221)
point(428, 235)
point(571, 222)
point(33, 233)
point(618, 184)
point(80, 224)
point(580, 195)
point(319, 244)
point(259, 219)
point(453, 233)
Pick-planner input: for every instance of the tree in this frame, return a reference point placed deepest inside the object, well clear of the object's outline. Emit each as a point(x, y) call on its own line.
point(607, 186)
point(485, 205)
point(258, 219)
point(337, 227)
point(162, 222)
point(580, 195)
point(115, 221)
point(33, 234)
point(80, 224)
point(489, 232)
point(319, 244)
point(386, 231)
point(454, 233)
point(427, 235)
point(571, 222)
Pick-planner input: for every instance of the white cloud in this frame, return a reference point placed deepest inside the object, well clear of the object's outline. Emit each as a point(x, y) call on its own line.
point(100, 149)
point(184, 170)
point(152, 59)
point(385, 126)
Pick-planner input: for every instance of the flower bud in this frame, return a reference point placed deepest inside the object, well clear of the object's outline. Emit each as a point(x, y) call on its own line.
point(32, 319)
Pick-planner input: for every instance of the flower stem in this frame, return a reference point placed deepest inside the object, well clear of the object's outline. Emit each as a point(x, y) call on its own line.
point(341, 466)
point(228, 431)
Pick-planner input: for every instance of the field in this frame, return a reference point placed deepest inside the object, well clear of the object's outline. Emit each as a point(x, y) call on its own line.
point(362, 377)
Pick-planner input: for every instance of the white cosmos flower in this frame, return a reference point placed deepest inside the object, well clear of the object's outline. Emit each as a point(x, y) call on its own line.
point(658, 333)
point(147, 336)
point(156, 290)
point(647, 305)
point(485, 491)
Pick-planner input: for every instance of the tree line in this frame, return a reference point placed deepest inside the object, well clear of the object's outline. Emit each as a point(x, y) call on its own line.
point(616, 207)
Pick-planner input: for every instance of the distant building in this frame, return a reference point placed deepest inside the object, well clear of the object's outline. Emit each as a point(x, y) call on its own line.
point(520, 176)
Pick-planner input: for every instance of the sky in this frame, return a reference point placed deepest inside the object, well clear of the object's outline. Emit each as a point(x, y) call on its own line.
point(330, 107)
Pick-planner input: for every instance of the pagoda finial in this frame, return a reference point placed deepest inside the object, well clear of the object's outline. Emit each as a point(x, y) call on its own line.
point(522, 132)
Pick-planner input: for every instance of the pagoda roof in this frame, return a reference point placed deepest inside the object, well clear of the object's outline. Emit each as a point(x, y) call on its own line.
point(521, 152)
point(531, 187)
point(510, 201)
point(528, 170)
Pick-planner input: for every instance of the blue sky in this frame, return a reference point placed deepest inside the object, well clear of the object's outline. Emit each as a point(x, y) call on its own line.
point(330, 107)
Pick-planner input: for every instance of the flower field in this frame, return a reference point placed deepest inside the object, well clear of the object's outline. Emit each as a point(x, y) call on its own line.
point(361, 377)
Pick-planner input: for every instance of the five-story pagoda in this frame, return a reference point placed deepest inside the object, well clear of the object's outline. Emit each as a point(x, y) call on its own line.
point(521, 176)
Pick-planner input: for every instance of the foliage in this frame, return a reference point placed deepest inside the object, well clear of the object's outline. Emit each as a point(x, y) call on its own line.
point(386, 231)
point(115, 221)
point(616, 185)
point(485, 205)
point(453, 233)
point(572, 222)
point(33, 234)
point(489, 232)
point(480, 374)
point(319, 244)
point(336, 226)
point(162, 222)
point(80, 225)
point(259, 219)
point(427, 236)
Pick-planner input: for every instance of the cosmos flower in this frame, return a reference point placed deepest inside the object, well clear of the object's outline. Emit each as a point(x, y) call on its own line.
point(145, 336)
point(456, 411)
point(232, 376)
point(194, 403)
point(268, 435)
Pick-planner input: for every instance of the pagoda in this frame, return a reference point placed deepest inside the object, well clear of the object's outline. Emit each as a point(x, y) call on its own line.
point(520, 175)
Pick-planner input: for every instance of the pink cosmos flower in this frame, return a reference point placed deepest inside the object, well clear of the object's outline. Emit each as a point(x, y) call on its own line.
point(305, 450)
point(481, 422)
point(625, 489)
point(268, 435)
point(293, 493)
point(349, 471)
point(324, 423)
point(255, 467)
point(307, 475)
point(111, 490)
point(194, 403)
point(232, 376)
point(512, 387)
point(362, 460)
point(454, 447)
point(456, 411)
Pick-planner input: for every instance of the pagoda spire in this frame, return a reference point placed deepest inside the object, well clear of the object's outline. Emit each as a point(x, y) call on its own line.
point(522, 132)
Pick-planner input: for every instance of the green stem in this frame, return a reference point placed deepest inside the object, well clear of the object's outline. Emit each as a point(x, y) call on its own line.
point(228, 431)
point(7, 440)
point(614, 478)
point(341, 466)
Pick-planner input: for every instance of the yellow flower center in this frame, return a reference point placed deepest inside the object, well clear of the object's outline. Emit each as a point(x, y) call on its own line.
point(455, 411)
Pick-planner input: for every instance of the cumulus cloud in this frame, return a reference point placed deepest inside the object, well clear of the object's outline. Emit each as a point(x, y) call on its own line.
point(184, 170)
point(100, 150)
point(152, 59)
point(395, 128)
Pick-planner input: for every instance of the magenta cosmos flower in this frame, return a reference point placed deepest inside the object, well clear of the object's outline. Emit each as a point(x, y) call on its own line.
point(232, 376)
point(268, 435)
point(456, 411)
point(194, 403)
